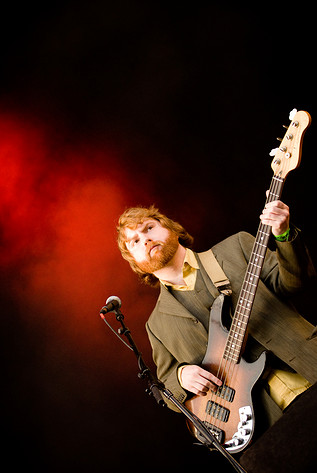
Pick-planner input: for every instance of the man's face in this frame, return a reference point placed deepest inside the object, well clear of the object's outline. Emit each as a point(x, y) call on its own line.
point(151, 245)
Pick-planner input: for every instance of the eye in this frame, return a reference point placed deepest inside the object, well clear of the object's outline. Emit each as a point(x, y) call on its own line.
point(132, 243)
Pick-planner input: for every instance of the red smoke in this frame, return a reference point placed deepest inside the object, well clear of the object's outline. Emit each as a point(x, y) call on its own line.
point(59, 207)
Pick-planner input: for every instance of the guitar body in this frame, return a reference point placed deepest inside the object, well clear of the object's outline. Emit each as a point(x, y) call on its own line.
point(234, 426)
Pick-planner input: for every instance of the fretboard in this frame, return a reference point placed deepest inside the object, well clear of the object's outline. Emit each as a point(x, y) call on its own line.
point(243, 309)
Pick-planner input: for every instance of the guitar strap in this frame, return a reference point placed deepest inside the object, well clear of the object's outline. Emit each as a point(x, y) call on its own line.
point(215, 272)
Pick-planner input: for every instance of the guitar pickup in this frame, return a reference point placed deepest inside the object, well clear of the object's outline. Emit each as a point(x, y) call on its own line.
point(216, 410)
point(225, 392)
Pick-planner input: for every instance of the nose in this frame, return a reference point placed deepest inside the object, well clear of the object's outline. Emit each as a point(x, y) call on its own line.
point(147, 240)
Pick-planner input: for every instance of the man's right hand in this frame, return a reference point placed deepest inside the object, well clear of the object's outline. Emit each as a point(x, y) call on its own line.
point(197, 380)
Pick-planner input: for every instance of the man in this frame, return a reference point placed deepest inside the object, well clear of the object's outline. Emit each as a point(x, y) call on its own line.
point(157, 249)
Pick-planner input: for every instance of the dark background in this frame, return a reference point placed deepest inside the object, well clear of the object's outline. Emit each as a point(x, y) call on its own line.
point(102, 106)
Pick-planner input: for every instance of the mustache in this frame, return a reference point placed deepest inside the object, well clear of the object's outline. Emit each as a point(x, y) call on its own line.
point(153, 245)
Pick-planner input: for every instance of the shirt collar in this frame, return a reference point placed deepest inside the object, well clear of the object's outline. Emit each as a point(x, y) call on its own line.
point(190, 259)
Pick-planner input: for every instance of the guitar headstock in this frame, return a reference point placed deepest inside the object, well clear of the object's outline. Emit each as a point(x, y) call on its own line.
point(288, 155)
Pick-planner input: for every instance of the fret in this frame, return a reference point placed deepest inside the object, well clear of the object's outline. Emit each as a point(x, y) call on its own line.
point(239, 321)
point(240, 329)
point(232, 358)
point(264, 233)
point(278, 179)
point(251, 283)
point(258, 256)
point(260, 244)
point(254, 266)
point(245, 313)
point(231, 355)
point(248, 282)
point(252, 278)
point(244, 308)
point(235, 343)
point(236, 336)
point(257, 265)
point(233, 351)
point(264, 246)
point(232, 348)
point(237, 325)
point(261, 249)
point(249, 292)
point(242, 300)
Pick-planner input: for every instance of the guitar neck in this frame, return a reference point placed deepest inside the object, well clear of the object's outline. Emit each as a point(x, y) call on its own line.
point(243, 309)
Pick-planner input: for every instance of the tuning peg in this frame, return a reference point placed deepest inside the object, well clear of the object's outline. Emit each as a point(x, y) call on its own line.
point(292, 113)
point(273, 151)
point(279, 139)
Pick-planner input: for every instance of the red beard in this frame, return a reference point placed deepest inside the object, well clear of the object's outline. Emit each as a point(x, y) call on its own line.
point(161, 256)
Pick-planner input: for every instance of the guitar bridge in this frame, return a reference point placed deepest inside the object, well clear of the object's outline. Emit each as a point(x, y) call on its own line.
point(218, 433)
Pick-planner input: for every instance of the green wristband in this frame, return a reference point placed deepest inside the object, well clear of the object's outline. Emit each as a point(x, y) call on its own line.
point(283, 237)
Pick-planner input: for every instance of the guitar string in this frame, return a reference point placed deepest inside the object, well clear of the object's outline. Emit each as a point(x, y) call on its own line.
point(245, 299)
point(227, 356)
point(226, 370)
point(246, 296)
point(247, 293)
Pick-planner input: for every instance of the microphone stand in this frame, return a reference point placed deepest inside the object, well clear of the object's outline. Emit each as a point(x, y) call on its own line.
point(156, 387)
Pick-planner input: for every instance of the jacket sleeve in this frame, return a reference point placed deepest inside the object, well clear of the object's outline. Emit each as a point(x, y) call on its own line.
point(287, 269)
point(167, 367)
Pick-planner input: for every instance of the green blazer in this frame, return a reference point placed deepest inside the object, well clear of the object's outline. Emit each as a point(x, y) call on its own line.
point(177, 337)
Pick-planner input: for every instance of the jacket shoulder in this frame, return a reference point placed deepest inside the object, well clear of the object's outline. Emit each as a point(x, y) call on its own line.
point(234, 247)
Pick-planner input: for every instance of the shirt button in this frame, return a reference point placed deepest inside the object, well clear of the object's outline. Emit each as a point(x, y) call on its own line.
point(195, 321)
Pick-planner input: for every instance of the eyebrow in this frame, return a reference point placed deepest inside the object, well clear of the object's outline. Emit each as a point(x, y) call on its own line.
point(143, 227)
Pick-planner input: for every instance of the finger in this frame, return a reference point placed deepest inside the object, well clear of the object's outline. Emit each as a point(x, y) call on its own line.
point(274, 216)
point(276, 204)
point(276, 210)
point(273, 220)
point(197, 380)
point(205, 382)
point(212, 381)
point(210, 377)
point(202, 388)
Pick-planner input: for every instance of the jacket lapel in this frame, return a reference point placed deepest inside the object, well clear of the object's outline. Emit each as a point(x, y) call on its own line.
point(168, 304)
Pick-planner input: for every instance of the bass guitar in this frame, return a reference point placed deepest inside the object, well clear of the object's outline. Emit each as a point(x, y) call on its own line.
point(228, 413)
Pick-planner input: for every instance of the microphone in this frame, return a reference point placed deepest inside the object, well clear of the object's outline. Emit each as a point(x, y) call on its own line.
point(112, 303)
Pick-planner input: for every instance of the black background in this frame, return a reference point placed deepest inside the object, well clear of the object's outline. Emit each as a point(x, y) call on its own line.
point(167, 104)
